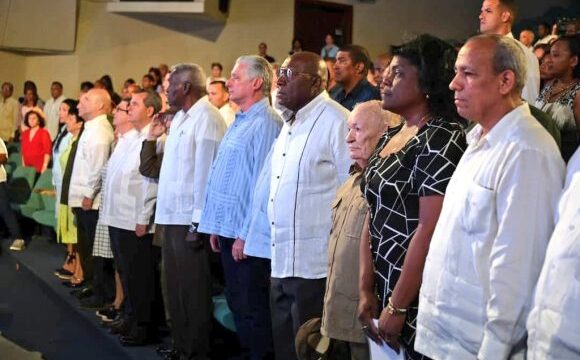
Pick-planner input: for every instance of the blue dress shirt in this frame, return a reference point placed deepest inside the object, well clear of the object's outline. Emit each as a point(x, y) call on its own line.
point(235, 171)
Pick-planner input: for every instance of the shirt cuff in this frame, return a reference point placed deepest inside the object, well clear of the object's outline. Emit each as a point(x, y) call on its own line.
point(88, 193)
point(196, 216)
point(492, 348)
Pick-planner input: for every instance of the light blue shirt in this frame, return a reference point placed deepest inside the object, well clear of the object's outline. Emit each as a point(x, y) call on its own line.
point(235, 171)
point(258, 241)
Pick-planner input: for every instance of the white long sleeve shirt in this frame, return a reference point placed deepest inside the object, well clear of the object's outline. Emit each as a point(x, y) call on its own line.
point(489, 243)
point(554, 322)
point(93, 153)
point(310, 160)
point(129, 196)
point(190, 148)
point(51, 111)
point(531, 89)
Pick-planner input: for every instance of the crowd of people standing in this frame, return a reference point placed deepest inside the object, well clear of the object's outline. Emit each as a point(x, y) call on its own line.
point(435, 212)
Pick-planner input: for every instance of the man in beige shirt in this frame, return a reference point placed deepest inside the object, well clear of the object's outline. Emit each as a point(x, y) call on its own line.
point(367, 123)
point(8, 112)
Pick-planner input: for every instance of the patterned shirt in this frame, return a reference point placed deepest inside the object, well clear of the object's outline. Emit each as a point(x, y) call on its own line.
point(393, 186)
point(235, 171)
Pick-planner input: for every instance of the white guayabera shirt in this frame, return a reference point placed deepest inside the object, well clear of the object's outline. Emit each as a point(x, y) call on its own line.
point(310, 160)
point(488, 246)
point(190, 148)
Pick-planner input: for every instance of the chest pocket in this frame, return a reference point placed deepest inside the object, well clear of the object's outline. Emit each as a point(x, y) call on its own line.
point(479, 208)
point(355, 218)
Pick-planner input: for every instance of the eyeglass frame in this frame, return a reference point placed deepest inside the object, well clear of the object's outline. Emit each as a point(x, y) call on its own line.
point(287, 73)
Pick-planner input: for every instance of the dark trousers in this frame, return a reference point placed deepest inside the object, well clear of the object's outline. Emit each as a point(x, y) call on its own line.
point(188, 284)
point(138, 262)
point(247, 293)
point(86, 227)
point(7, 214)
point(103, 279)
point(293, 301)
point(116, 236)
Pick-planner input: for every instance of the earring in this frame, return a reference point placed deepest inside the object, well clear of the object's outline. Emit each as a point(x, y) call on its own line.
point(427, 96)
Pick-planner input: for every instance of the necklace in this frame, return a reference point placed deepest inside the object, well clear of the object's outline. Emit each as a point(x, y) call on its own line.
point(555, 94)
point(400, 139)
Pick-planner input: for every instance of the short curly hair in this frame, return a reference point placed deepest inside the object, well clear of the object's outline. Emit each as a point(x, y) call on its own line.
point(40, 116)
point(435, 62)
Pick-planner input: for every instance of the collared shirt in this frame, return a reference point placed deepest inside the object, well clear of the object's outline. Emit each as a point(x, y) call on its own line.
point(51, 111)
point(363, 91)
point(258, 240)
point(128, 197)
point(190, 148)
point(309, 162)
point(9, 117)
point(4, 151)
point(329, 52)
point(235, 171)
point(349, 209)
point(489, 243)
point(228, 114)
point(553, 322)
point(531, 89)
point(92, 154)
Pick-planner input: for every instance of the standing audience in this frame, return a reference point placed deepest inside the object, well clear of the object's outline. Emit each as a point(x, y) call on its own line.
point(561, 97)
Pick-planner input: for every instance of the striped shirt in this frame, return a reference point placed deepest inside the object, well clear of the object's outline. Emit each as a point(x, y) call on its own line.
point(235, 171)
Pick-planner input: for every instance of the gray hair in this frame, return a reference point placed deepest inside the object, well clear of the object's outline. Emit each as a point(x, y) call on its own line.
point(152, 99)
point(258, 67)
point(508, 55)
point(194, 75)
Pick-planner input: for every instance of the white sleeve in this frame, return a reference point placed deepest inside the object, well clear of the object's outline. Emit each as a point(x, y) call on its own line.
point(525, 203)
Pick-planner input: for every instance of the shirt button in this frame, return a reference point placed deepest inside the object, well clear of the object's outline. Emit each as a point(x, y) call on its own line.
point(277, 177)
point(273, 244)
point(289, 132)
point(272, 200)
point(272, 223)
point(284, 154)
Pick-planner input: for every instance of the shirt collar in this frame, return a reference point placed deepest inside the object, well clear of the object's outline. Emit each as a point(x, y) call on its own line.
point(254, 109)
point(94, 121)
point(501, 129)
point(198, 104)
point(357, 88)
point(304, 113)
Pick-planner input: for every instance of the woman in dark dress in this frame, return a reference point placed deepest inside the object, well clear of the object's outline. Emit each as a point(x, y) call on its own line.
point(404, 184)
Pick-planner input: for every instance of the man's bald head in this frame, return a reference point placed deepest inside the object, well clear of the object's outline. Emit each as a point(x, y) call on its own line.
point(303, 78)
point(94, 103)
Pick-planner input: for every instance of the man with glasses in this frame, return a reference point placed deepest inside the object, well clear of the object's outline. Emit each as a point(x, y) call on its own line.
point(310, 159)
point(192, 144)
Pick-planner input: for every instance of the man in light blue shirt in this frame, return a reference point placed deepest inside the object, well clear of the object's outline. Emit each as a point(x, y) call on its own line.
point(226, 212)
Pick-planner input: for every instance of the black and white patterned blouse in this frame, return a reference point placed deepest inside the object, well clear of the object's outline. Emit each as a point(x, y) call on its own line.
point(562, 111)
point(392, 187)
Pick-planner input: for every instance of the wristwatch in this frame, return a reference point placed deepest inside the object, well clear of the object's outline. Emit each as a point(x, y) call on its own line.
point(193, 228)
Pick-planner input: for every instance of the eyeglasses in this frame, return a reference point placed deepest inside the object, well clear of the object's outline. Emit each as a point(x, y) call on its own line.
point(288, 73)
point(126, 111)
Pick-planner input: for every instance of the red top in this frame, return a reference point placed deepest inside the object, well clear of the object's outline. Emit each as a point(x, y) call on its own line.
point(33, 150)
